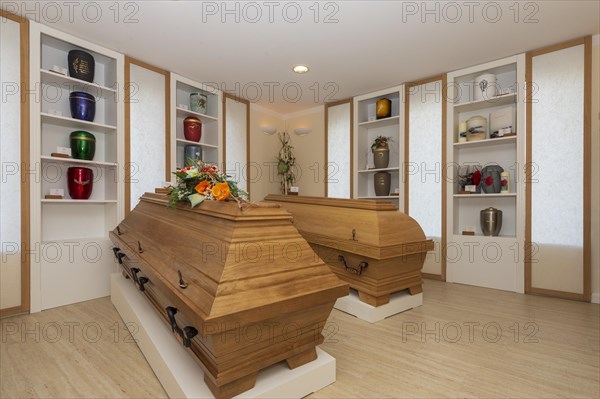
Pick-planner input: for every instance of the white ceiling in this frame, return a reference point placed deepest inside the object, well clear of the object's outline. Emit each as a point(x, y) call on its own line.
point(373, 44)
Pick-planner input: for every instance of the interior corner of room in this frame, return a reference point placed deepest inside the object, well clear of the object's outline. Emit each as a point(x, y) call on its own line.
point(484, 134)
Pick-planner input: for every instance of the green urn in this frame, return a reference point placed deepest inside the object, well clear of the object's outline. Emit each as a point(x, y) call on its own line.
point(83, 145)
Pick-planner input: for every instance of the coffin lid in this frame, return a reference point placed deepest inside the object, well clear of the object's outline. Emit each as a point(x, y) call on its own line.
point(372, 228)
point(241, 265)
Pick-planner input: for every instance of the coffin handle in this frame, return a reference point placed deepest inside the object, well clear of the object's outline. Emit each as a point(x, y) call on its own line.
point(139, 281)
point(119, 255)
point(187, 333)
point(354, 270)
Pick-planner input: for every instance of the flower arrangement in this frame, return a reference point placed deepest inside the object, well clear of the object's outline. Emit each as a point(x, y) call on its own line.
point(285, 162)
point(380, 142)
point(200, 181)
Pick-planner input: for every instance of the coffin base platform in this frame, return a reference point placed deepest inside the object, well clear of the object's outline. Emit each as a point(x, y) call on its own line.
point(399, 302)
point(182, 377)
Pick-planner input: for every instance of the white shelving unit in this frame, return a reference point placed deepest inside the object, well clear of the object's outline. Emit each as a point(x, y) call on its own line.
point(365, 132)
point(212, 138)
point(75, 258)
point(495, 262)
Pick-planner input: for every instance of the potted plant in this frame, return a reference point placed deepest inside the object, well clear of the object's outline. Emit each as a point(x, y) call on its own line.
point(285, 162)
point(381, 152)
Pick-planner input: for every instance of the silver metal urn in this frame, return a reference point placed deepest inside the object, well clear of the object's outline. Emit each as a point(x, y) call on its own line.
point(491, 221)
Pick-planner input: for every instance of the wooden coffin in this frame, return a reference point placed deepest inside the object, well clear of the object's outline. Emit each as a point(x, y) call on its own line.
point(369, 244)
point(241, 289)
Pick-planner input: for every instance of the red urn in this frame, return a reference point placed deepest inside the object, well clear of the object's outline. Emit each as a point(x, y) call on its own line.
point(80, 181)
point(192, 128)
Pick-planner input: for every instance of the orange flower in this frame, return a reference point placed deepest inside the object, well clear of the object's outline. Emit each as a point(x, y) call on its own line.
point(203, 187)
point(221, 191)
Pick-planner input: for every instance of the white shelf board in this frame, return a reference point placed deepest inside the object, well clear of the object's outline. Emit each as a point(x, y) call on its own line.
point(72, 201)
point(203, 117)
point(187, 142)
point(485, 238)
point(504, 99)
point(395, 169)
point(390, 121)
point(53, 77)
point(485, 195)
point(78, 161)
point(75, 123)
point(486, 142)
point(380, 197)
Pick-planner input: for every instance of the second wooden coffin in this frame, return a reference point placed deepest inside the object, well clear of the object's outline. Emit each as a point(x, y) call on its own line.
point(370, 244)
point(240, 288)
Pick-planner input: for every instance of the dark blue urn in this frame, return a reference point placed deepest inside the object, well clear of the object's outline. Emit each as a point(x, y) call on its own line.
point(83, 106)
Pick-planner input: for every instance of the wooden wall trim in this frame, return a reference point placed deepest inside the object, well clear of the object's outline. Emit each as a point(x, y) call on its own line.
point(404, 171)
point(444, 238)
point(247, 103)
point(587, 169)
point(15, 310)
point(432, 276)
point(127, 98)
point(326, 107)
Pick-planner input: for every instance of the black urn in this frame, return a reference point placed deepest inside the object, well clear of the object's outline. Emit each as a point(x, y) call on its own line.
point(81, 65)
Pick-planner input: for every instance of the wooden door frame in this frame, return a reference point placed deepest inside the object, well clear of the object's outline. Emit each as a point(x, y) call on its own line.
point(127, 140)
point(326, 107)
point(25, 305)
point(407, 86)
point(247, 103)
point(586, 296)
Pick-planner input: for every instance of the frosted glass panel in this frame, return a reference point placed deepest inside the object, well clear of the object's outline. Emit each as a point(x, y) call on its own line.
point(338, 151)
point(147, 126)
point(557, 181)
point(425, 152)
point(235, 141)
point(10, 157)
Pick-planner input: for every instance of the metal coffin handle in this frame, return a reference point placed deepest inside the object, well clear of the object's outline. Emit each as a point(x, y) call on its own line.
point(354, 270)
point(139, 281)
point(118, 255)
point(187, 333)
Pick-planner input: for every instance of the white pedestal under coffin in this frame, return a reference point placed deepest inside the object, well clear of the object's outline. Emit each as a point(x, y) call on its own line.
point(399, 302)
point(182, 377)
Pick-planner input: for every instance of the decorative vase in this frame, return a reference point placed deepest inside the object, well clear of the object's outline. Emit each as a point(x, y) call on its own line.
point(83, 106)
point(198, 102)
point(491, 221)
point(382, 182)
point(191, 153)
point(192, 128)
point(83, 145)
point(491, 181)
point(381, 157)
point(80, 182)
point(383, 108)
point(81, 65)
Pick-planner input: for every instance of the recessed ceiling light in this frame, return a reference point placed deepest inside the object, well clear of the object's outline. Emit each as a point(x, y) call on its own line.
point(300, 69)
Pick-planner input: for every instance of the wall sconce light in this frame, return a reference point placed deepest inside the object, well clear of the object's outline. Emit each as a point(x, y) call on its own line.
point(302, 131)
point(270, 130)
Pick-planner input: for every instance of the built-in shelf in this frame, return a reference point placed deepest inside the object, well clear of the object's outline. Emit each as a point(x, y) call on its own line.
point(49, 77)
point(396, 169)
point(484, 195)
point(482, 237)
point(504, 99)
point(72, 201)
point(487, 142)
point(78, 161)
point(381, 197)
point(390, 121)
point(188, 142)
point(203, 117)
point(76, 123)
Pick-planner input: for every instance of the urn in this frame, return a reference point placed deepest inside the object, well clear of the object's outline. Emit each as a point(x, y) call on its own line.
point(80, 182)
point(81, 65)
point(198, 102)
point(381, 157)
point(491, 221)
point(83, 106)
point(383, 108)
point(83, 145)
point(485, 87)
point(192, 128)
point(191, 153)
point(491, 182)
point(382, 182)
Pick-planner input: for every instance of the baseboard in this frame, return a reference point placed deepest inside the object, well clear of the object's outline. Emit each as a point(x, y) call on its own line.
point(596, 297)
point(432, 276)
point(8, 312)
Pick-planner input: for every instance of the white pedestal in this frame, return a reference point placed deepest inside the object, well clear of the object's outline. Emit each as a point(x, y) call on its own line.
point(182, 377)
point(399, 302)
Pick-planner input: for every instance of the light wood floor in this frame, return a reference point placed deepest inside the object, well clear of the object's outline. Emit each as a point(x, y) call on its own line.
point(556, 352)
